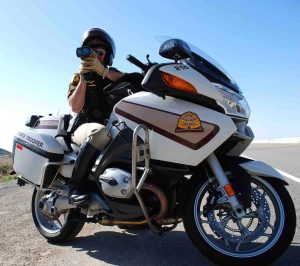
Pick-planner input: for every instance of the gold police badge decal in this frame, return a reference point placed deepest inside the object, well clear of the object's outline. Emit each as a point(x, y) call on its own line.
point(189, 121)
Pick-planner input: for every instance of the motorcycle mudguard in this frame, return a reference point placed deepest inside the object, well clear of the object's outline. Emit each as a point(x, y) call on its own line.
point(262, 169)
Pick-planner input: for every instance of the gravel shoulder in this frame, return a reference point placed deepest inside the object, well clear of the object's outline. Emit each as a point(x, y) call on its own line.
point(20, 243)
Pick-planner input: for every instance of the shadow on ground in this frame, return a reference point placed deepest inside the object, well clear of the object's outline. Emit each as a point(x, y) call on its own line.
point(142, 247)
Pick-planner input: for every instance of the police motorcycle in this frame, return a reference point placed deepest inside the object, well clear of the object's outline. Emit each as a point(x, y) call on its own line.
point(174, 156)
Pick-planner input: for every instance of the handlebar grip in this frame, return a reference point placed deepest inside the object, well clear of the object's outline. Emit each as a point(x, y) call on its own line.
point(136, 62)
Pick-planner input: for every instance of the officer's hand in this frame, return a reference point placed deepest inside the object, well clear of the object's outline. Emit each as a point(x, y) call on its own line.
point(82, 71)
point(92, 63)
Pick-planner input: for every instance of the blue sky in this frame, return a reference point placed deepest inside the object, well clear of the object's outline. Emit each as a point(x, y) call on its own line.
point(257, 42)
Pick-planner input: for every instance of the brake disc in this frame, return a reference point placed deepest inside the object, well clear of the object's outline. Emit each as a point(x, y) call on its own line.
point(220, 226)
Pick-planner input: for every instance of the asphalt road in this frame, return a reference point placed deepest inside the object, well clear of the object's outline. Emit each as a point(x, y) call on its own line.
point(21, 244)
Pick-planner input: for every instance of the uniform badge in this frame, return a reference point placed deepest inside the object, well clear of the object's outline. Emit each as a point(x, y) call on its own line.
point(189, 122)
point(75, 79)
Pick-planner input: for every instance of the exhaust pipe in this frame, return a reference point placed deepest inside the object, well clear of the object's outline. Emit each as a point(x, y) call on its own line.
point(97, 204)
point(62, 203)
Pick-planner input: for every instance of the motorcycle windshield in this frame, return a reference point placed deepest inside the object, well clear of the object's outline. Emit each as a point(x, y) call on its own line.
point(206, 65)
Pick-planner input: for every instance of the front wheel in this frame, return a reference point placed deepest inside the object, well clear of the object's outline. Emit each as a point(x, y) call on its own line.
point(259, 238)
point(59, 229)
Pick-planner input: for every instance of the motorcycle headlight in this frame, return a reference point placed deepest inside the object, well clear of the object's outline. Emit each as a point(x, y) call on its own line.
point(232, 102)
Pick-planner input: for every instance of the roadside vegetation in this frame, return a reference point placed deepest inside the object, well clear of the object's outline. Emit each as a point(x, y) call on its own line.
point(5, 170)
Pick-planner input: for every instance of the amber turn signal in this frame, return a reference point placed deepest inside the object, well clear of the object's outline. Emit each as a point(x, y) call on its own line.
point(178, 83)
point(229, 190)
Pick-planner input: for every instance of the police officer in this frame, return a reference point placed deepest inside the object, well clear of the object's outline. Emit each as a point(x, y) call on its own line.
point(87, 99)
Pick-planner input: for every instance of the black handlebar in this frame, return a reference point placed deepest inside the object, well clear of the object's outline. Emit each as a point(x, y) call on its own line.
point(137, 62)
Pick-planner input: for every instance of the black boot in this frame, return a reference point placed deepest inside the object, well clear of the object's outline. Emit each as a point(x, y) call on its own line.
point(83, 165)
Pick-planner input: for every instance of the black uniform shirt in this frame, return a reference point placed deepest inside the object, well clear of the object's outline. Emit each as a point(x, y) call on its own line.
point(98, 105)
point(95, 107)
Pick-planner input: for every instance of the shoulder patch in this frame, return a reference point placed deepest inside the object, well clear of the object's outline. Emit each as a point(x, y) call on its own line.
point(75, 79)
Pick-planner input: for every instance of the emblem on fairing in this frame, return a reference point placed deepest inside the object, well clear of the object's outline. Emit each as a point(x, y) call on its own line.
point(189, 122)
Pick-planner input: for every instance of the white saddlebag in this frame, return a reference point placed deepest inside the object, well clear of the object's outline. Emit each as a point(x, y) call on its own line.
point(34, 155)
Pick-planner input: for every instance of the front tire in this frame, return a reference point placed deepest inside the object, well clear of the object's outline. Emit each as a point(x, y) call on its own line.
point(260, 238)
point(63, 229)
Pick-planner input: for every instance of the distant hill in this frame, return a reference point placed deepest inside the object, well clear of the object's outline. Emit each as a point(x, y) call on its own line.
point(4, 152)
point(5, 158)
point(5, 163)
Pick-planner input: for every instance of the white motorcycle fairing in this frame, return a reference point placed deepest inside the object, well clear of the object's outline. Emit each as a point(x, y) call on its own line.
point(259, 168)
point(200, 83)
point(162, 116)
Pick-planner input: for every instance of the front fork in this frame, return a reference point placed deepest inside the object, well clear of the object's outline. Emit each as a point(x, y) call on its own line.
point(225, 188)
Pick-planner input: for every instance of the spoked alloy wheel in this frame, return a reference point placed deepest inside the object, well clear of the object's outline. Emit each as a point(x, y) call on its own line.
point(260, 237)
point(56, 229)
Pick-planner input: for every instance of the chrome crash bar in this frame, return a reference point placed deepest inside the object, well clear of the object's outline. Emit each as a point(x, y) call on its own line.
point(141, 153)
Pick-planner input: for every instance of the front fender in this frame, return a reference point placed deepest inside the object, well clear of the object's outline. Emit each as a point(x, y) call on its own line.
point(262, 169)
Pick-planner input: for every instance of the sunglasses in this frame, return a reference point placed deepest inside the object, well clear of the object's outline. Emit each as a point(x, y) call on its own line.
point(99, 51)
